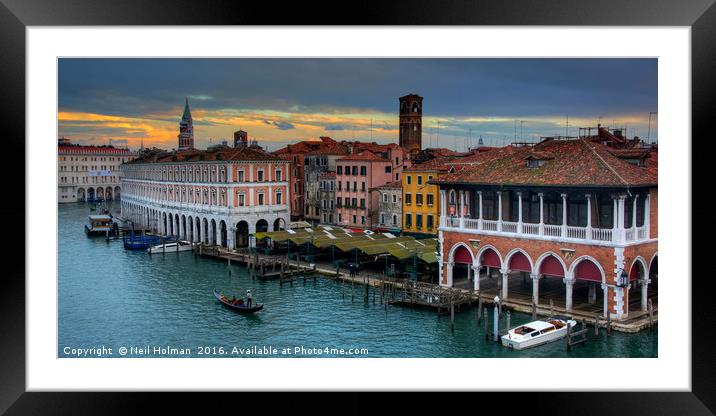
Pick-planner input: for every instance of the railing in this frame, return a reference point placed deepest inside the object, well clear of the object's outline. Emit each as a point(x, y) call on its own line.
point(509, 226)
point(546, 230)
point(602, 234)
point(552, 230)
point(577, 232)
point(529, 228)
point(489, 225)
point(641, 233)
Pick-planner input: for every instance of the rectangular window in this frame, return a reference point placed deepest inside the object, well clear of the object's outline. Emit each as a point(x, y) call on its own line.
point(347, 170)
point(278, 198)
point(340, 186)
point(397, 176)
point(430, 200)
point(261, 198)
point(430, 222)
point(363, 171)
point(331, 204)
point(353, 203)
point(362, 219)
point(395, 219)
point(408, 220)
point(408, 199)
point(339, 170)
point(418, 199)
point(382, 219)
point(388, 169)
point(354, 170)
point(395, 199)
point(348, 186)
point(339, 201)
point(408, 179)
point(242, 200)
point(419, 221)
point(261, 176)
point(340, 217)
point(355, 186)
point(362, 186)
point(420, 179)
point(278, 175)
point(385, 197)
point(354, 220)
point(362, 203)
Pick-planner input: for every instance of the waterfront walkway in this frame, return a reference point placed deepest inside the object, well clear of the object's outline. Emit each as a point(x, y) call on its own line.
point(403, 292)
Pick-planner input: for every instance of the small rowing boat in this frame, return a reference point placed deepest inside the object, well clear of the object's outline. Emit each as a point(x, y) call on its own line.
point(239, 305)
point(537, 332)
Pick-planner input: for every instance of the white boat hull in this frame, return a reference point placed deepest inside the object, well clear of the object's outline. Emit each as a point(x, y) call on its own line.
point(170, 248)
point(521, 342)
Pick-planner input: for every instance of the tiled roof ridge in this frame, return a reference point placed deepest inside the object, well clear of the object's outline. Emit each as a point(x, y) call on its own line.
point(605, 163)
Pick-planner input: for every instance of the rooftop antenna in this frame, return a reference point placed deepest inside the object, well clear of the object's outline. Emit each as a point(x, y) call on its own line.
point(648, 134)
point(469, 140)
point(521, 122)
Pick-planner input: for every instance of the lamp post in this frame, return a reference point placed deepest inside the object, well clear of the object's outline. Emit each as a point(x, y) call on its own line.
point(496, 319)
point(622, 279)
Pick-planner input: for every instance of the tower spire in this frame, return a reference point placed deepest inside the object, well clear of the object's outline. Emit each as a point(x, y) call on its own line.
point(186, 128)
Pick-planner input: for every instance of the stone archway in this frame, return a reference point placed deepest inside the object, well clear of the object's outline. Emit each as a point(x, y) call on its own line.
point(242, 234)
point(99, 194)
point(549, 267)
point(518, 267)
point(223, 234)
point(81, 195)
point(116, 192)
point(108, 193)
point(589, 283)
point(637, 294)
point(279, 224)
point(212, 236)
point(90, 194)
point(261, 226)
point(460, 262)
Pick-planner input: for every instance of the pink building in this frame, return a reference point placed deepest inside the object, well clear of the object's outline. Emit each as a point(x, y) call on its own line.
point(356, 174)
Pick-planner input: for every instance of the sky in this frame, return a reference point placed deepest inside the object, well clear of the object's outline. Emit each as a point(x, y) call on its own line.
point(136, 102)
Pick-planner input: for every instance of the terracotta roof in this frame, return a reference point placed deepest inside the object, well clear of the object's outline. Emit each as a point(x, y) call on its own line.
point(76, 148)
point(575, 163)
point(439, 164)
point(390, 185)
point(365, 155)
point(231, 153)
point(329, 149)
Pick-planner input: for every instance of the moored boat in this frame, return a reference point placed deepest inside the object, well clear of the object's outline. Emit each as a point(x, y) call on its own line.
point(171, 247)
point(101, 225)
point(537, 332)
point(237, 306)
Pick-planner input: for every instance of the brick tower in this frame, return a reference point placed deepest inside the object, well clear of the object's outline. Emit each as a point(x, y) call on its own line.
point(411, 123)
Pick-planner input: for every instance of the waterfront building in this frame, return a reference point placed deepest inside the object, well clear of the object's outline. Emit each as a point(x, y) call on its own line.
point(89, 173)
point(390, 207)
point(186, 129)
point(317, 163)
point(421, 206)
point(411, 124)
point(327, 197)
point(218, 197)
point(573, 218)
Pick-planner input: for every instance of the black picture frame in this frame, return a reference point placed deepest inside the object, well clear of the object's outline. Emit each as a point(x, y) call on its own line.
point(15, 15)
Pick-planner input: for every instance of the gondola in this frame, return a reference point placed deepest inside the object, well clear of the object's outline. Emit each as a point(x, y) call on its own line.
point(238, 308)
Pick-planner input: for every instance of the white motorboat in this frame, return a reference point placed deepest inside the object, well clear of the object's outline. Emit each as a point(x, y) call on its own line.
point(173, 247)
point(537, 332)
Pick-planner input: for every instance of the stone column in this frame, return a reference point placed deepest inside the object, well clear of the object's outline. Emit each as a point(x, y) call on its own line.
point(589, 216)
point(622, 212)
point(450, 265)
point(519, 212)
point(569, 283)
point(615, 220)
point(541, 213)
point(564, 215)
point(645, 293)
point(476, 276)
point(499, 211)
point(230, 234)
point(535, 287)
point(505, 281)
point(443, 207)
point(647, 214)
point(462, 209)
point(479, 196)
point(633, 215)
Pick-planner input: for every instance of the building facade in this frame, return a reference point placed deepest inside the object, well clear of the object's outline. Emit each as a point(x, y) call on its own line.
point(89, 173)
point(218, 197)
point(390, 207)
point(574, 218)
point(327, 197)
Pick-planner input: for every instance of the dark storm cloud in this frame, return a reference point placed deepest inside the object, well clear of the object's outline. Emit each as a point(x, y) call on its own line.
point(451, 87)
point(281, 125)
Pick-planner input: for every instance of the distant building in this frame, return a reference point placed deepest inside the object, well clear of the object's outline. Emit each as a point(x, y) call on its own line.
point(218, 197)
point(89, 173)
point(327, 197)
point(411, 123)
point(390, 209)
point(241, 139)
point(186, 129)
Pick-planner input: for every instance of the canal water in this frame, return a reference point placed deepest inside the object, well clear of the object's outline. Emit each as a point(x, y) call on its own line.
point(117, 298)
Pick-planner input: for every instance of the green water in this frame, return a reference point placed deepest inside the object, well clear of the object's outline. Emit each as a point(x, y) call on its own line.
point(110, 297)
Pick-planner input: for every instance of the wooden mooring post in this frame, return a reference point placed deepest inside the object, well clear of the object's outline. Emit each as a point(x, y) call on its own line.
point(487, 333)
point(576, 337)
point(534, 311)
point(479, 309)
point(609, 323)
point(551, 307)
point(650, 307)
point(596, 324)
point(508, 318)
point(452, 317)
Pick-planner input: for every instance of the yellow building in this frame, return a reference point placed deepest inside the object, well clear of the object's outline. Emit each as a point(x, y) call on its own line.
point(421, 200)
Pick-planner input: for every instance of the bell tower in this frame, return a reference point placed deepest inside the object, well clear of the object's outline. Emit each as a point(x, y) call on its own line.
point(186, 129)
point(411, 123)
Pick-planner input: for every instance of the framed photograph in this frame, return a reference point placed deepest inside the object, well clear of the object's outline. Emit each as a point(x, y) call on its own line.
point(357, 208)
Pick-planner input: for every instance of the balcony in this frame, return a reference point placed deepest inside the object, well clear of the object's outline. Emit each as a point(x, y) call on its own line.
point(599, 236)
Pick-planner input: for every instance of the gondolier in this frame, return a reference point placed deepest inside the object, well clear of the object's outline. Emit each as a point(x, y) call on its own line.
point(248, 298)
